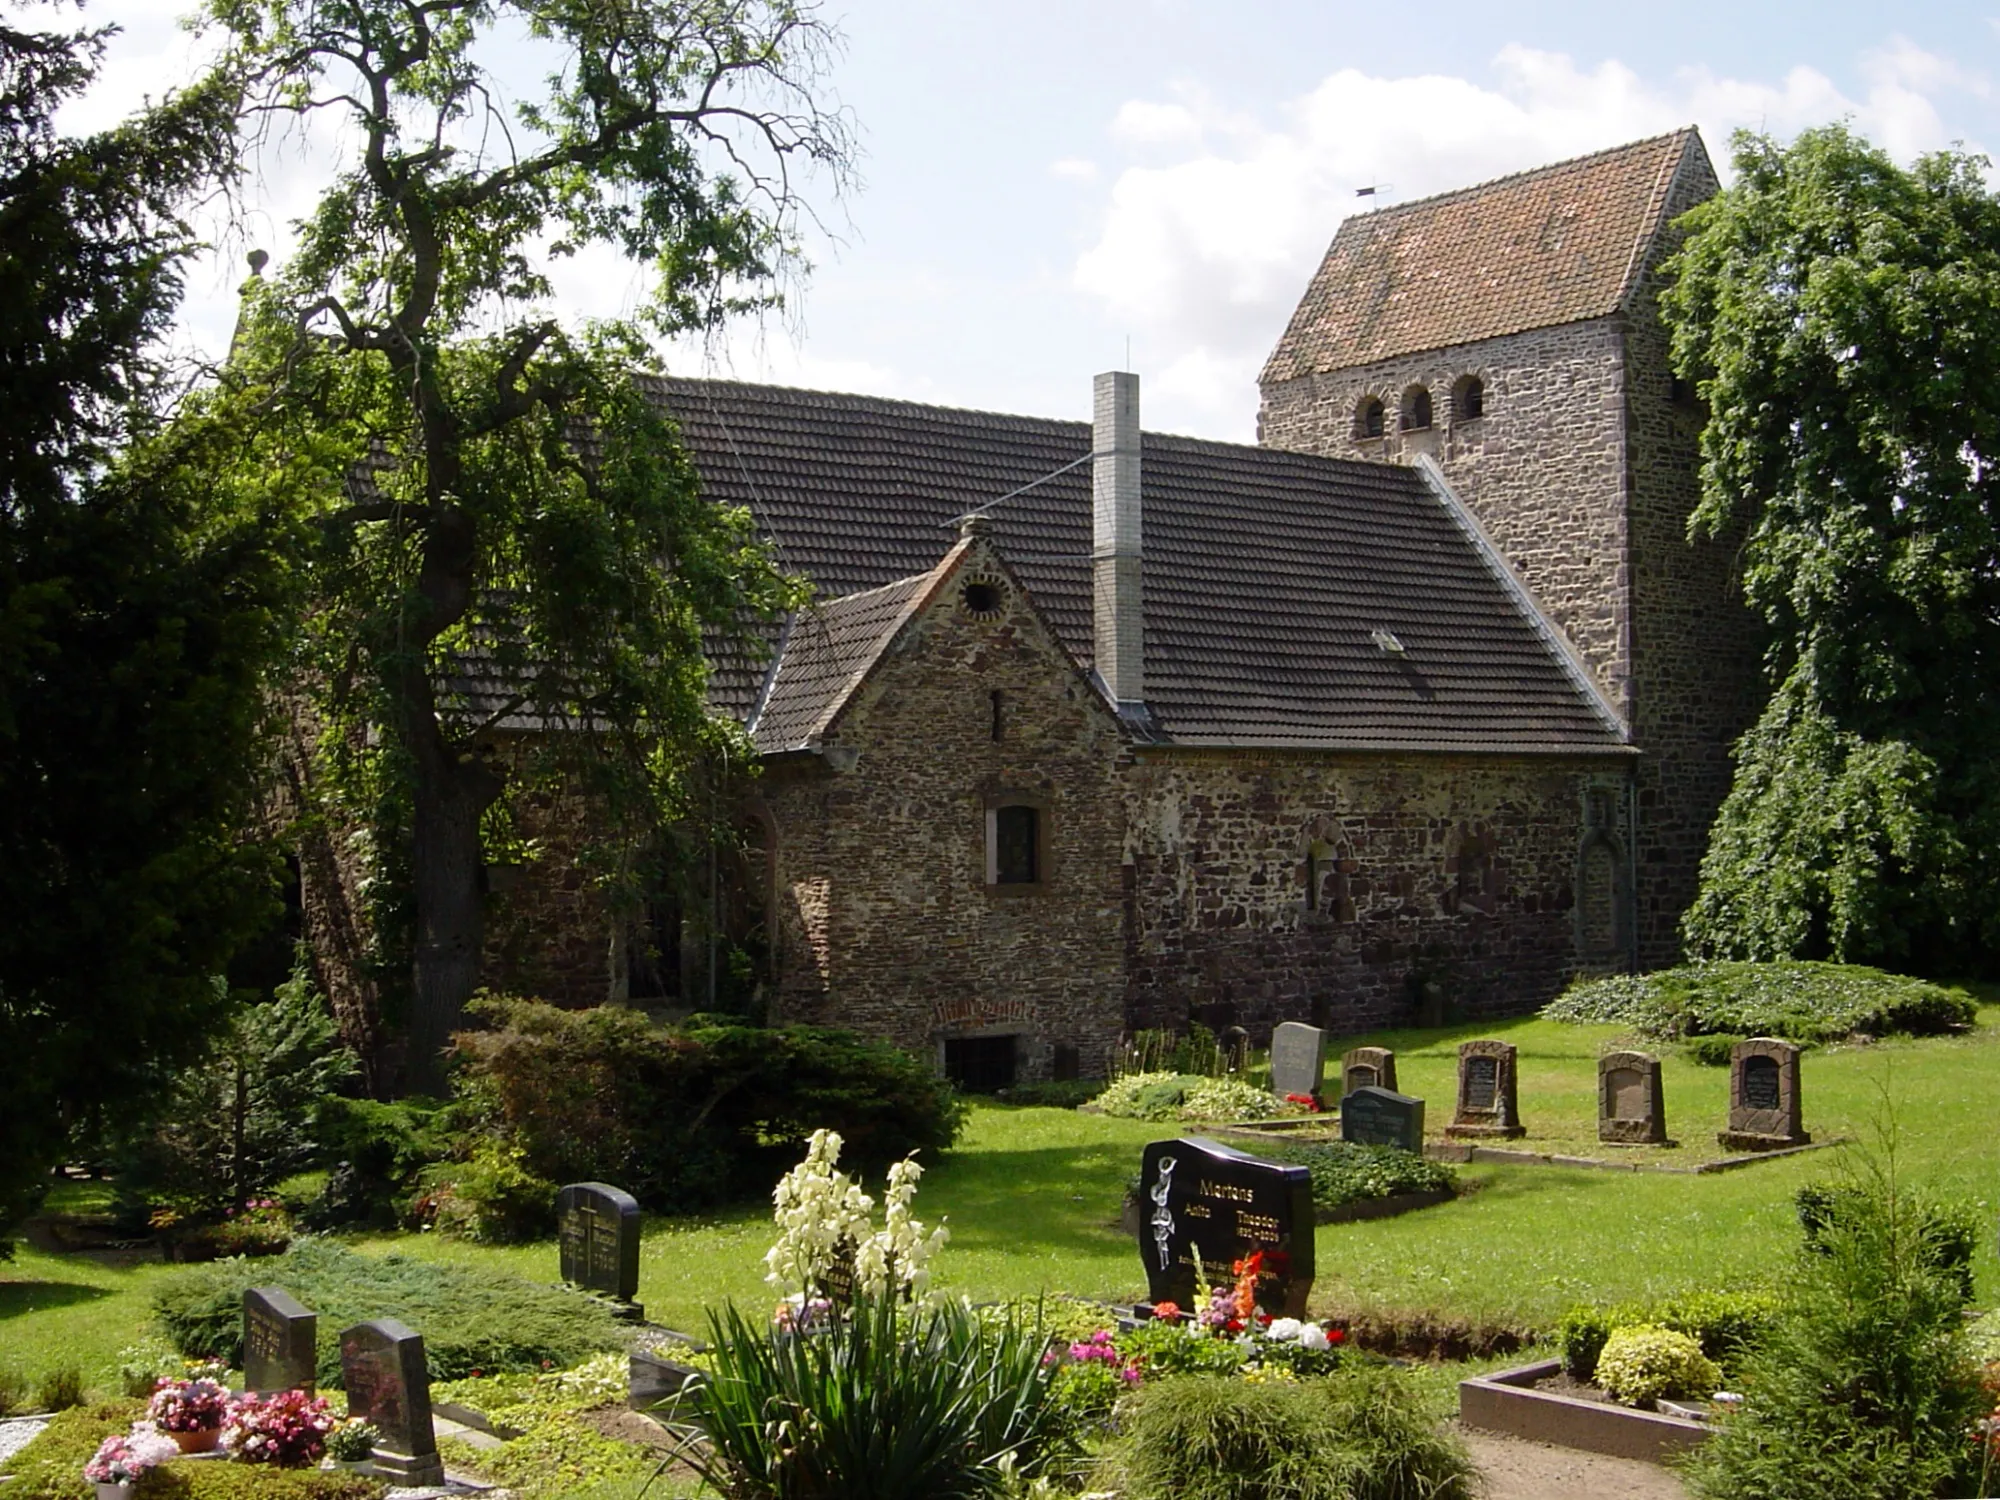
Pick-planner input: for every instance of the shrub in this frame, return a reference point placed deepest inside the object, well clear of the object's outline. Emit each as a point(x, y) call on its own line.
point(1059, 1095)
point(1189, 1096)
point(1801, 1002)
point(693, 1114)
point(1947, 1233)
point(1642, 1362)
point(491, 1197)
point(1714, 1051)
point(1349, 1172)
point(373, 1152)
point(1726, 1325)
point(894, 1405)
point(1579, 1339)
point(1360, 1434)
point(1864, 1387)
point(60, 1389)
point(471, 1319)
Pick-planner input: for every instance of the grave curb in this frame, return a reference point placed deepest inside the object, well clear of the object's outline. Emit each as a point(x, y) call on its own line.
point(1506, 1402)
point(1461, 1152)
point(1383, 1208)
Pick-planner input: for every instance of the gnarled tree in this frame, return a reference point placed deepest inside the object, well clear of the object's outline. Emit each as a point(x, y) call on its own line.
point(508, 527)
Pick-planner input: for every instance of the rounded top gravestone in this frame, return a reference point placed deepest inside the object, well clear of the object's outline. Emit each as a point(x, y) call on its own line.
point(1203, 1199)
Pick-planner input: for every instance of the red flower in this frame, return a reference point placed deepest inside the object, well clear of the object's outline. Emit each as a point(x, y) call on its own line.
point(1336, 1335)
point(1167, 1312)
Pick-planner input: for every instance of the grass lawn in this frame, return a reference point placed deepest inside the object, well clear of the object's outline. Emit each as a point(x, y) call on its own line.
point(1032, 1196)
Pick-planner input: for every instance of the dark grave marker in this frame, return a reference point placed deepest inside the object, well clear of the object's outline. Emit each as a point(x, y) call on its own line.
point(278, 1342)
point(1203, 1198)
point(1298, 1059)
point(1630, 1108)
point(1764, 1103)
point(1367, 1067)
point(388, 1384)
point(1382, 1117)
point(598, 1229)
point(1486, 1092)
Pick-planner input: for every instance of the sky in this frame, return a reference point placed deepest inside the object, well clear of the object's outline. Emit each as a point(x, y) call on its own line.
point(1051, 189)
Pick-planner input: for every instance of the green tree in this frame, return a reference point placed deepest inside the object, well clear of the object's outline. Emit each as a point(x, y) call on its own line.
point(1841, 316)
point(136, 619)
point(529, 541)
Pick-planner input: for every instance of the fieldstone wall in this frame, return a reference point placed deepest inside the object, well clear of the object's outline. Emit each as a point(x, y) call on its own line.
point(883, 916)
point(1337, 889)
point(549, 930)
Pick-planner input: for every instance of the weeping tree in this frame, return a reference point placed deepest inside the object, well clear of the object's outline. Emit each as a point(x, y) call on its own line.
point(508, 533)
point(1841, 317)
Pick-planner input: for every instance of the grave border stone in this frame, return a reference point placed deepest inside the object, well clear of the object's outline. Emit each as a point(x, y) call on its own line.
point(407, 1455)
point(1185, 1190)
point(297, 1343)
point(1761, 1129)
point(1647, 1129)
point(1381, 1061)
point(1411, 1132)
point(1502, 1119)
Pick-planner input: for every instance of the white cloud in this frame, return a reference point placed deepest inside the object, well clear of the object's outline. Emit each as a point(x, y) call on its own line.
point(1074, 169)
point(1208, 237)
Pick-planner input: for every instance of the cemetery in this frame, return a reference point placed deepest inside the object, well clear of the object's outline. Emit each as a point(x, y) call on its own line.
point(1419, 1216)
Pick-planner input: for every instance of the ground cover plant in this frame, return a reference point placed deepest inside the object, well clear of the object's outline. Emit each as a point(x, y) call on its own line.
point(470, 1320)
point(1801, 1002)
point(1346, 1172)
point(1192, 1097)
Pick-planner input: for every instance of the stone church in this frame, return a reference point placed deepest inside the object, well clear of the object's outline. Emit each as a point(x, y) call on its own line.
point(1420, 706)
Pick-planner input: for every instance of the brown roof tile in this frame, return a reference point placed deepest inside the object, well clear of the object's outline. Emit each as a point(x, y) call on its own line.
point(1556, 245)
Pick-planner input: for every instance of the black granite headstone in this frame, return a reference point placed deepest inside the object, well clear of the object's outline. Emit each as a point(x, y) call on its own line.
point(388, 1384)
point(279, 1334)
point(1760, 1083)
point(598, 1230)
point(1381, 1117)
point(1482, 1082)
point(1201, 1197)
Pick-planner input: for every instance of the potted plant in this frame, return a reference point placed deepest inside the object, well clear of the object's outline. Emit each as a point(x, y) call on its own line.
point(191, 1412)
point(286, 1428)
point(120, 1460)
point(351, 1444)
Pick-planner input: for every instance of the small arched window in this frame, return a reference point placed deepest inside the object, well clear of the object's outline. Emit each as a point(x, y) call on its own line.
point(1369, 419)
point(1468, 400)
point(1416, 408)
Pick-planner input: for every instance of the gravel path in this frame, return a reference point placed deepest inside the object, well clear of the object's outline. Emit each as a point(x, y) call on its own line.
point(17, 1433)
point(1515, 1469)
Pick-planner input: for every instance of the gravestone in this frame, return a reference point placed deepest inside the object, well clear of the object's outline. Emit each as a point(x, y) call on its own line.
point(1487, 1103)
point(1630, 1108)
point(388, 1384)
point(279, 1333)
point(1382, 1117)
point(1764, 1106)
point(1298, 1059)
point(1203, 1198)
point(598, 1230)
point(1367, 1067)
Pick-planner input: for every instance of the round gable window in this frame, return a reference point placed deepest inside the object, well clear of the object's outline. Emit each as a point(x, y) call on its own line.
point(983, 597)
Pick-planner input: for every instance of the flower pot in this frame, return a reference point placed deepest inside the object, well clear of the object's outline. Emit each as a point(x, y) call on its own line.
point(109, 1491)
point(201, 1440)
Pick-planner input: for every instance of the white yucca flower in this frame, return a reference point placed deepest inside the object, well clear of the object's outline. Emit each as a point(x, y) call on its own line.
point(822, 1215)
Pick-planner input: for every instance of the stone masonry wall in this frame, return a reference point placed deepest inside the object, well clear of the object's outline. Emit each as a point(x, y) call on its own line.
point(883, 917)
point(1267, 887)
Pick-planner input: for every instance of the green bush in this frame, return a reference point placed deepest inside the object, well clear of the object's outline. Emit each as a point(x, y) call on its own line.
point(1864, 1386)
point(1359, 1434)
point(1947, 1233)
point(373, 1152)
point(13, 1390)
point(1064, 1095)
point(60, 1388)
point(1727, 1326)
point(1189, 1096)
point(470, 1319)
point(1579, 1337)
point(1643, 1362)
point(895, 1405)
point(1713, 1051)
point(1349, 1172)
point(693, 1114)
point(1801, 1002)
point(490, 1197)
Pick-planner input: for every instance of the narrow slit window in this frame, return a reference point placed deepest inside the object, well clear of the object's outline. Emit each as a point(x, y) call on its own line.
point(996, 716)
point(1015, 856)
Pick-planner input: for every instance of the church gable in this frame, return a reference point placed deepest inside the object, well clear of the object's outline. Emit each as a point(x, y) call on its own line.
point(1539, 249)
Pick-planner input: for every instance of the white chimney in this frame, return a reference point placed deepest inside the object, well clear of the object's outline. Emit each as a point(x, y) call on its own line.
point(1114, 548)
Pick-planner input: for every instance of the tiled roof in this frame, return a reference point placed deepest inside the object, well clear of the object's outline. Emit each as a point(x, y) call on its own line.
point(825, 652)
point(1555, 245)
point(1267, 574)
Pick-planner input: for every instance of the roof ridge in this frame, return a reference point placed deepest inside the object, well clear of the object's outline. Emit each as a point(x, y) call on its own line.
point(1376, 215)
point(853, 399)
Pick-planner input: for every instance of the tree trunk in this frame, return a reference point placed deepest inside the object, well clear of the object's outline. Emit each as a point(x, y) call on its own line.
point(447, 870)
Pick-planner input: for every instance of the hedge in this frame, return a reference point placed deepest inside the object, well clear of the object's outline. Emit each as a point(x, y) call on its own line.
point(470, 1319)
point(1801, 1002)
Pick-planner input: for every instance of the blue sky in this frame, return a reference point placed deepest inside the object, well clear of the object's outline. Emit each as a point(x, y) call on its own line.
point(1044, 182)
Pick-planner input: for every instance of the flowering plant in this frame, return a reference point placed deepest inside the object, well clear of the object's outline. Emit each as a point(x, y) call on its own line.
point(287, 1428)
point(1298, 1347)
point(352, 1441)
point(1305, 1102)
point(122, 1458)
point(195, 1405)
point(826, 1228)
